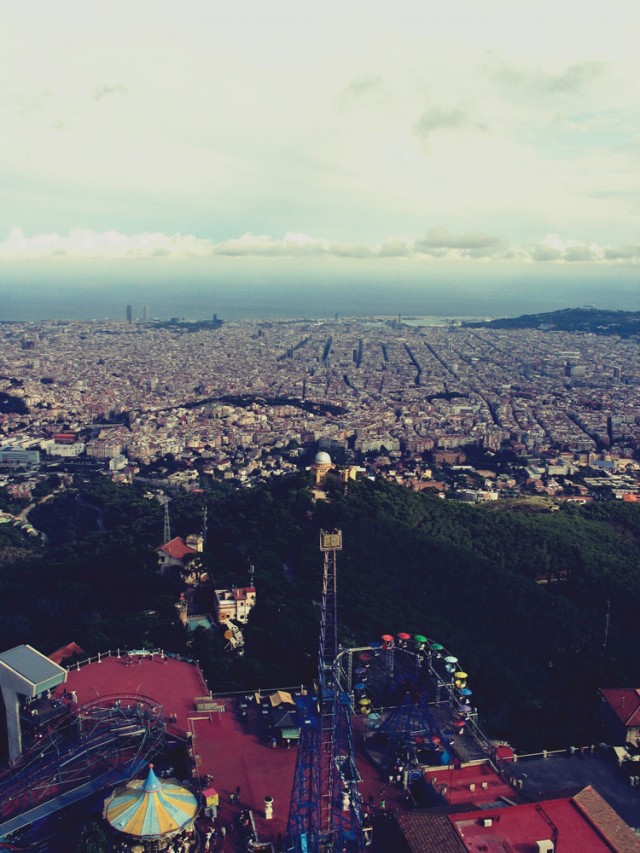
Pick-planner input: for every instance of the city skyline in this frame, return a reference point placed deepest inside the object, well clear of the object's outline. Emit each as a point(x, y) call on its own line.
point(255, 143)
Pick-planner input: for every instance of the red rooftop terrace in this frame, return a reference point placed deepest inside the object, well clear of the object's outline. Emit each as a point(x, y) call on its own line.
point(230, 748)
point(228, 738)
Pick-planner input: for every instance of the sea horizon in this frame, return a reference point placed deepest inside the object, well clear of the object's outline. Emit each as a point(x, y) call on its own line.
point(287, 300)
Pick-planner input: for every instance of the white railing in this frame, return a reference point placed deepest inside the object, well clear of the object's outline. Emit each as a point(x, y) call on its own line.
point(123, 653)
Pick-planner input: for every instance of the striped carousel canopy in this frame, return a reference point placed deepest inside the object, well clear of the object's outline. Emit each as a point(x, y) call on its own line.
point(150, 808)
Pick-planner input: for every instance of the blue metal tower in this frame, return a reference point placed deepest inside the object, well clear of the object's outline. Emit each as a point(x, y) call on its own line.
point(325, 804)
point(303, 830)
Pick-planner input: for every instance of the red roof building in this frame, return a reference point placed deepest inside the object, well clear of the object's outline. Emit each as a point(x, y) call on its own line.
point(566, 824)
point(65, 437)
point(174, 552)
point(620, 711)
point(476, 783)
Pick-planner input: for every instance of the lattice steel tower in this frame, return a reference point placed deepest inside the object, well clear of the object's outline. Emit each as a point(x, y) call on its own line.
point(164, 500)
point(325, 806)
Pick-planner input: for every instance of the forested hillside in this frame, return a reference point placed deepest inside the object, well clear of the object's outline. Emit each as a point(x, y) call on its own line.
point(598, 321)
point(540, 606)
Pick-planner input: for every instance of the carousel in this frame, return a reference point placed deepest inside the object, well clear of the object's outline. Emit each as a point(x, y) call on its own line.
point(151, 813)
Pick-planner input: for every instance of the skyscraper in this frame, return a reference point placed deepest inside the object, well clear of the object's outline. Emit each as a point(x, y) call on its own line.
point(145, 313)
point(129, 314)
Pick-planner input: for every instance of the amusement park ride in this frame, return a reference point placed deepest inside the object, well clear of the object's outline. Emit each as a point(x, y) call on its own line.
point(423, 700)
point(103, 743)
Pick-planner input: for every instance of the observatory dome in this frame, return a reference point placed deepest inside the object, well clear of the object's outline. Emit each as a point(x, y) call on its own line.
point(322, 458)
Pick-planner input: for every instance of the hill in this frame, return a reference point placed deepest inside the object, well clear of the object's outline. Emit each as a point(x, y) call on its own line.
point(595, 320)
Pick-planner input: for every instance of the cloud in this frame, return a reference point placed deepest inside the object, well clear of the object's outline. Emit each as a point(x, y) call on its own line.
point(362, 92)
point(473, 244)
point(438, 244)
point(623, 253)
point(574, 77)
point(545, 252)
point(84, 243)
point(582, 252)
point(292, 244)
point(104, 90)
point(554, 248)
point(363, 87)
point(351, 250)
point(32, 102)
point(396, 247)
point(571, 79)
point(437, 118)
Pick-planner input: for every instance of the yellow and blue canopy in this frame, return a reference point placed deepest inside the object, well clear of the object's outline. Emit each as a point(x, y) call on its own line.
point(150, 808)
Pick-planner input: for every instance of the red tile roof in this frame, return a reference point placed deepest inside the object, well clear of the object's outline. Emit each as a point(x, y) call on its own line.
point(177, 548)
point(429, 830)
point(65, 652)
point(240, 593)
point(625, 703)
point(608, 821)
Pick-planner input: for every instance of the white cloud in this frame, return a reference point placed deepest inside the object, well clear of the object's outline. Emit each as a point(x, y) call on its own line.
point(292, 244)
point(396, 247)
point(473, 244)
point(623, 253)
point(84, 243)
point(438, 244)
point(554, 248)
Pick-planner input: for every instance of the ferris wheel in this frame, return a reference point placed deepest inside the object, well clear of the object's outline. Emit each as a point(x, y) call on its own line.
point(415, 698)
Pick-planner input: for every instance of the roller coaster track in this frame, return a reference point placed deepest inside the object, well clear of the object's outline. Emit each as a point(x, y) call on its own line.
point(102, 743)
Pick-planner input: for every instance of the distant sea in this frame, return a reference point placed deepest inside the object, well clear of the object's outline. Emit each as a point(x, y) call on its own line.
point(278, 299)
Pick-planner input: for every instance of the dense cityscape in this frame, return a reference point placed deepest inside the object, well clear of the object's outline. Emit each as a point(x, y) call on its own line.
point(435, 407)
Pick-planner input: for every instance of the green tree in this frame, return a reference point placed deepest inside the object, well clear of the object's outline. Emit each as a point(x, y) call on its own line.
point(92, 839)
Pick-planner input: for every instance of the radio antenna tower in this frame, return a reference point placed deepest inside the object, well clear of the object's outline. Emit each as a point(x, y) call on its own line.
point(164, 500)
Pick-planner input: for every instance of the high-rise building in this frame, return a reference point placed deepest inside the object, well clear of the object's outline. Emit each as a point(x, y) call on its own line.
point(145, 313)
point(129, 314)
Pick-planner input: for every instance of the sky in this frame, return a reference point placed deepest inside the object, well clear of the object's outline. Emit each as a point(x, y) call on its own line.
point(247, 140)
